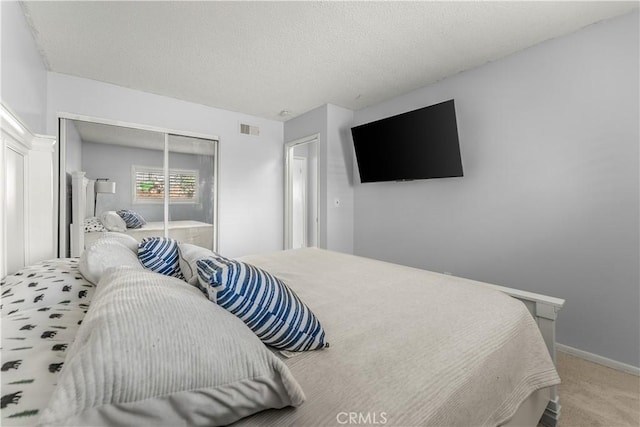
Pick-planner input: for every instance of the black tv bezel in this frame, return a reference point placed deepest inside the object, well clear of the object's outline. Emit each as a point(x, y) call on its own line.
point(454, 145)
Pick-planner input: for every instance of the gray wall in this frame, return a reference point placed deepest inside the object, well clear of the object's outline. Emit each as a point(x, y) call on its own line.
point(115, 162)
point(23, 87)
point(549, 200)
point(250, 186)
point(339, 179)
point(335, 171)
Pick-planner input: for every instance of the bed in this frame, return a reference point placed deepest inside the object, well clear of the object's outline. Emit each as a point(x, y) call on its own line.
point(407, 346)
point(195, 232)
point(83, 197)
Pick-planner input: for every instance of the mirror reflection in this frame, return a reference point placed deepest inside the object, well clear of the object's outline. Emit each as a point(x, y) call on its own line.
point(139, 182)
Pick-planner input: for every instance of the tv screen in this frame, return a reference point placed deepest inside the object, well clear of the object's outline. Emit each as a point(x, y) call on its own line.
point(420, 144)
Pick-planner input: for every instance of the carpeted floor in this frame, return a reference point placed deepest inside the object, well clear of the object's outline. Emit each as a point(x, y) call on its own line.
point(594, 395)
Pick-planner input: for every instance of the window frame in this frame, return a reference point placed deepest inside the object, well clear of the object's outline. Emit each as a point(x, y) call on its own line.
point(160, 171)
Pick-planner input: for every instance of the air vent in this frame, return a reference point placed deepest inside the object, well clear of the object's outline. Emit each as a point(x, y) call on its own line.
point(249, 130)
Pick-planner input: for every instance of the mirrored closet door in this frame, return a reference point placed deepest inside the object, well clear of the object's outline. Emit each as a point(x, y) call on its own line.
point(135, 180)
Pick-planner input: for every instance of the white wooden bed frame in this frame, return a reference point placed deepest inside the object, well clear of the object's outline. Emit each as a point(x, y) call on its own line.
point(544, 310)
point(194, 232)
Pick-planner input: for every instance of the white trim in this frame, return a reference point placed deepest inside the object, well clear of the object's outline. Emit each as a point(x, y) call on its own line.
point(167, 183)
point(64, 245)
point(288, 158)
point(600, 360)
point(43, 143)
point(72, 116)
point(543, 300)
point(13, 126)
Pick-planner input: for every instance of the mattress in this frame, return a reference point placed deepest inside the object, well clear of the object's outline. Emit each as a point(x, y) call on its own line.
point(187, 231)
point(42, 308)
point(407, 346)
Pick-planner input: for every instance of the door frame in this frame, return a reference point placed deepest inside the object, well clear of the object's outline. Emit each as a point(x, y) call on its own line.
point(288, 161)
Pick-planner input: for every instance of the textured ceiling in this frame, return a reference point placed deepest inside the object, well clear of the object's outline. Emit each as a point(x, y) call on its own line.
point(263, 57)
point(99, 133)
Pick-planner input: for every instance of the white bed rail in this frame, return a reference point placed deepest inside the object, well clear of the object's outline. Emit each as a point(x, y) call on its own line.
point(544, 310)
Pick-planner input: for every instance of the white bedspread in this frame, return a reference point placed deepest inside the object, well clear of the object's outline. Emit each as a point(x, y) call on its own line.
point(408, 347)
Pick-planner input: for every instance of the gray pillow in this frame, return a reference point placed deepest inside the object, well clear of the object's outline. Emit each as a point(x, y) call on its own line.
point(152, 350)
point(125, 239)
point(112, 221)
point(189, 255)
point(105, 254)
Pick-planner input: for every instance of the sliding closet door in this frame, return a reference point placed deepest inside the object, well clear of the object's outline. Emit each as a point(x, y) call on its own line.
point(148, 187)
point(192, 189)
point(166, 179)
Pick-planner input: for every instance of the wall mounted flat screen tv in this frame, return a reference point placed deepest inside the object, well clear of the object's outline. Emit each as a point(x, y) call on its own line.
point(420, 144)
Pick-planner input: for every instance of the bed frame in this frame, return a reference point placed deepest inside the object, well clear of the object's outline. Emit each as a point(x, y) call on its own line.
point(544, 310)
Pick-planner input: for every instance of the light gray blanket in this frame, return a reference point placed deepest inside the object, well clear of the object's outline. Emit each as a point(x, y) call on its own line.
point(408, 347)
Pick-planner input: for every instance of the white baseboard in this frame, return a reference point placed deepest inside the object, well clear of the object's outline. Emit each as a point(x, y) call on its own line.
point(600, 360)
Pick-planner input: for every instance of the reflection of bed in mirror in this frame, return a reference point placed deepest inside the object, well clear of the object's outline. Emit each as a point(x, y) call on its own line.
point(83, 199)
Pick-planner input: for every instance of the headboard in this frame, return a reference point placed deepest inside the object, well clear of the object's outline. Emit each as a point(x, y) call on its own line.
point(27, 200)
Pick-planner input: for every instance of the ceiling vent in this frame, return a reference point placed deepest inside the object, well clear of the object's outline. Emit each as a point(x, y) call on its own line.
point(249, 130)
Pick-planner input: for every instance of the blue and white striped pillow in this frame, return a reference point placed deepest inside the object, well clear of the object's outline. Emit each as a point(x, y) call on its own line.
point(264, 303)
point(160, 255)
point(206, 271)
point(131, 218)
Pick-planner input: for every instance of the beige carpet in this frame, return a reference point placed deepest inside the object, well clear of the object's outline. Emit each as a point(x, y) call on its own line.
point(594, 395)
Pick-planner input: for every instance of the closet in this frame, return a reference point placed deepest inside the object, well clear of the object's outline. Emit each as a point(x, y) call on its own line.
point(167, 178)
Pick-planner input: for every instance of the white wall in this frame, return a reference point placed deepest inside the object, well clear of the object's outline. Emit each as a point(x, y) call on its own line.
point(549, 200)
point(251, 168)
point(335, 172)
point(23, 90)
point(23, 81)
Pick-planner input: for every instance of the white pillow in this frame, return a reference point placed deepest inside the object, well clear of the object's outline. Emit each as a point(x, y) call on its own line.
point(104, 255)
point(125, 239)
point(153, 351)
point(113, 222)
point(189, 254)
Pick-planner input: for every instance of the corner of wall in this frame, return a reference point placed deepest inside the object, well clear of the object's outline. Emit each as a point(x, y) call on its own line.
point(23, 76)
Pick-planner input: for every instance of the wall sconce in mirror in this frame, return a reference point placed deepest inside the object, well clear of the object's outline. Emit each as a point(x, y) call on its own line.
point(102, 185)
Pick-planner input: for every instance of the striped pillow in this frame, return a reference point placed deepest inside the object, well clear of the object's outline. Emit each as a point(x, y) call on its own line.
point(160, 255)
point(264, 303)
point(131, 218)
point(206, 271)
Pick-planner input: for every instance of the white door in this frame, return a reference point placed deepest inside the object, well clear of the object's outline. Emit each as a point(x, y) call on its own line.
point(299, 205)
